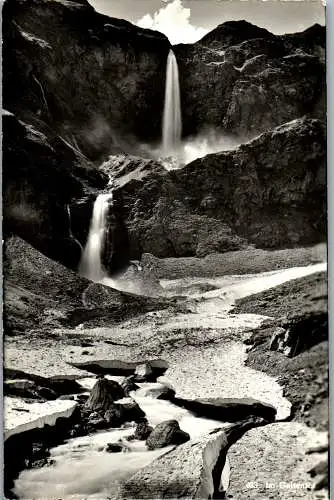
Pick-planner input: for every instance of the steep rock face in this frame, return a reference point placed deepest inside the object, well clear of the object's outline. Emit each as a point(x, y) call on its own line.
point(243, 79)
point(158, 216)
point(270, 192)
point(42, 179)
point(87, 77)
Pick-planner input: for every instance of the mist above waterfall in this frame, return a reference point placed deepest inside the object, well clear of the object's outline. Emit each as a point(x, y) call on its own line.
point(189, 149)
point(207, 142)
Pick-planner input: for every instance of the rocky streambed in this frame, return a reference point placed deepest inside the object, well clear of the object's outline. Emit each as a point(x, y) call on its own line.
point(201, 356)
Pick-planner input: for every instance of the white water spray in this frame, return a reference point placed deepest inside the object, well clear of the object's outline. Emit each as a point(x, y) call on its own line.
point(172, 122)
point(91, 261)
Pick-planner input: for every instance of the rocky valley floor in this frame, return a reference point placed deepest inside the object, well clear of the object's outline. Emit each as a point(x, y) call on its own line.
point(202, 335)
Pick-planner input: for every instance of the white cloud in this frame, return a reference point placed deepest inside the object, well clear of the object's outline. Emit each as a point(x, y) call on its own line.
point(174, 21)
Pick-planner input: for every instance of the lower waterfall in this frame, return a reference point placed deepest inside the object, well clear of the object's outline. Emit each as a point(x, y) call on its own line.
point(91, 266)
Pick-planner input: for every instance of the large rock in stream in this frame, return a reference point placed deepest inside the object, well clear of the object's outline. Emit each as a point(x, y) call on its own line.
point(166, 433)
point(101, 411)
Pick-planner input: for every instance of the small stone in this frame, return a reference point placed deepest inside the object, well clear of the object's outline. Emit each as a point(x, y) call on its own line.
point(143, 430)
point(114, 448)
point(129, 385)
point(143, 372)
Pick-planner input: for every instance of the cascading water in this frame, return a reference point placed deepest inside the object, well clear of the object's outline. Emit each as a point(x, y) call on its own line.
point(91, 266)
point(172, 121)
point(91, 261)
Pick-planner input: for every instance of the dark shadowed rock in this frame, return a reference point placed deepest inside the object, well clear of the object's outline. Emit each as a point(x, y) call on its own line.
point(115, 415)
point(129, 385)
point(320, 472)
point(103, 394)
point(257, 80)
point(113, 94)
point(143, 431)
point(119, 367)
point(18, 380)
point(302, 332)
point(228, 410)
point(270, 192)
point(166, 433)
point(116, 448)
point(27, 389)
point(132, 411)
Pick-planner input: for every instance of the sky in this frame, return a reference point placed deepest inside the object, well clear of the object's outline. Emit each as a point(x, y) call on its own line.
point(186, 21)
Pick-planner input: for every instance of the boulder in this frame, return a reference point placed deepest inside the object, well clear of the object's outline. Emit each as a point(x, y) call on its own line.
point(114, 416)
point(158, 391)
point(132, 411)
point(54, 386)
point(166, 433)
point(103, 395)
point(126, 368)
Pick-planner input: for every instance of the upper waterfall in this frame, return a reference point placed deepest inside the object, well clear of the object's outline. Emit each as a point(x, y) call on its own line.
point(172, 121)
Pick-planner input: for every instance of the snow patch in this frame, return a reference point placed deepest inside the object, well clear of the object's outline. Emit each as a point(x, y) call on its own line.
point(20, 416)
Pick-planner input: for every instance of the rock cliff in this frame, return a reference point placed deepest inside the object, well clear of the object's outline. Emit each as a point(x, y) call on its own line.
point(92, 79)
point(83, 86)
point(43, 178)
point(270, 192)
point(245, 80)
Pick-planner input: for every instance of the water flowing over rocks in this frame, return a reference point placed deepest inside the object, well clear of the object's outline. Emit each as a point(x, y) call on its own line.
point(192, 470)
